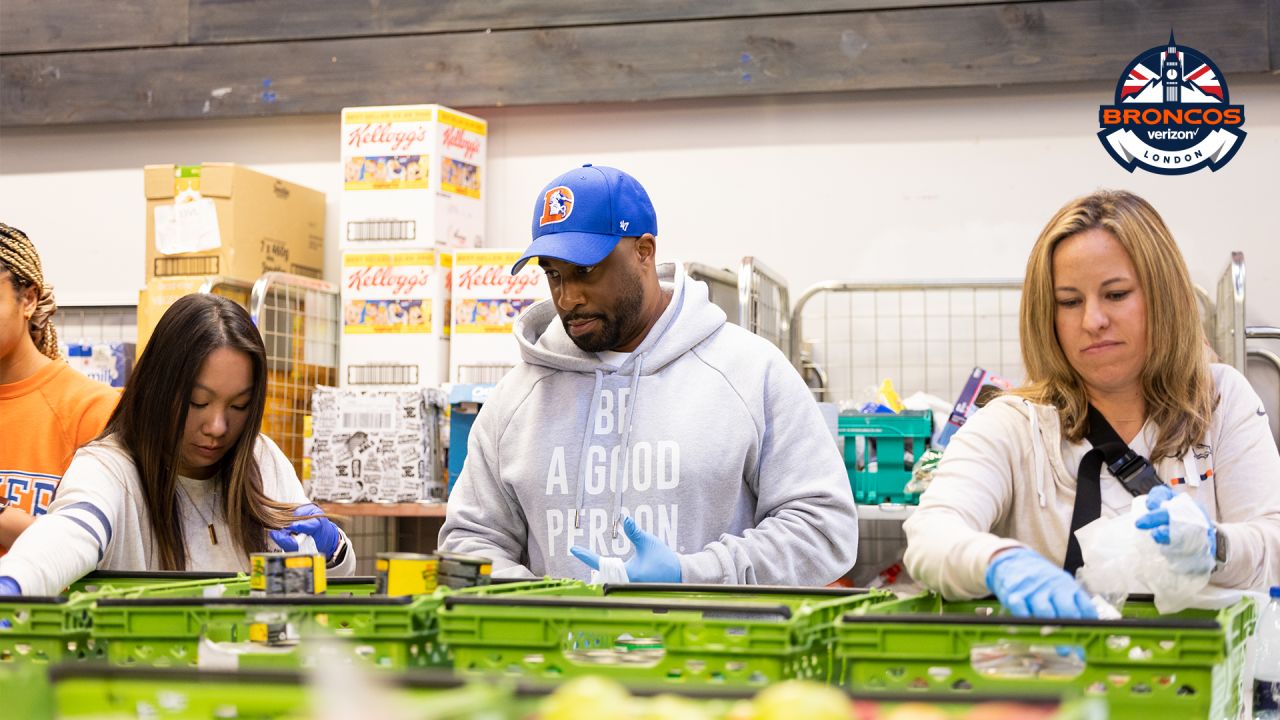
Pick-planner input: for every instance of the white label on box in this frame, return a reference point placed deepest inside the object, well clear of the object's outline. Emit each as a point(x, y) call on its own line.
point(187, 227)
point(369, 413)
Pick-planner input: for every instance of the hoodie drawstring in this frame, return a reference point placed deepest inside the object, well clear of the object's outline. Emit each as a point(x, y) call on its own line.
point(586, 443)
point(626, 444)
point(1037, 452)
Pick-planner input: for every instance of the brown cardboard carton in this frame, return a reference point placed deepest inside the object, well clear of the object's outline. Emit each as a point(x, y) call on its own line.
point(225, 219)
point(160, 293)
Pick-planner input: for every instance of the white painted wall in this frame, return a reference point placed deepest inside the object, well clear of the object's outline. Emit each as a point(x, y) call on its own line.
point(866, 186)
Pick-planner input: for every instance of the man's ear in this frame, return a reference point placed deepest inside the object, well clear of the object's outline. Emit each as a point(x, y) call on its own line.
point(646, 248)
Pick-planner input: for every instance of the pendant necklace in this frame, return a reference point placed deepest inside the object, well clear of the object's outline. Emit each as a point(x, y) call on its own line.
point(213, 534)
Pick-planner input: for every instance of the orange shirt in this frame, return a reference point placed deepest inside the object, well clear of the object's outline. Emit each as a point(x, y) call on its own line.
point(43, 420)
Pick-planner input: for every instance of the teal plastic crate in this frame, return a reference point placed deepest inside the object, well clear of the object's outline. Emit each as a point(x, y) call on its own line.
point(198, 628)
point(887, 437)
point(51, 629)
point(652, 633)
point(1183, 665)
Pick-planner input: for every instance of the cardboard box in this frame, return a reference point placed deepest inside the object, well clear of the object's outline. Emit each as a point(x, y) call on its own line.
point(375, 446)
point(160, 293)
point(225, 219)
point(486, 300)
point(413, 176)
point(395, 318)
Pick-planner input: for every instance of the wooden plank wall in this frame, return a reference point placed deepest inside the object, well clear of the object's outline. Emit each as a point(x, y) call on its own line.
point(81, 61)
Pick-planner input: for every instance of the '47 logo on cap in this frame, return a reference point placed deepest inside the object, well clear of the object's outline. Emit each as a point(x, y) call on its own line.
point(557, 205)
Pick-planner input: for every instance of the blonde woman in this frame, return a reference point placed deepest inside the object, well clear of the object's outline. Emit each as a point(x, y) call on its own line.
point(47, 409)
point(1109, 331)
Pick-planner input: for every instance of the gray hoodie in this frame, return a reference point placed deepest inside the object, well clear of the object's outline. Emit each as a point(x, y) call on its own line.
point(705, 435)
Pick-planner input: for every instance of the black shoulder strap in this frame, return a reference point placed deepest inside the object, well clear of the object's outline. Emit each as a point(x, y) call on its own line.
point(1133, 471)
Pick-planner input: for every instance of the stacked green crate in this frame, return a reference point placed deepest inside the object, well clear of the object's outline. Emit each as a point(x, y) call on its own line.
point(93, 691)
point(96, 691)
point(1188, 664)
point(886, 436)
point(180, 628)
point(50, 629)
point(641, 632)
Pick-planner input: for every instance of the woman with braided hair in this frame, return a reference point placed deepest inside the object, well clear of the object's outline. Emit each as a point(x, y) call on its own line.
point(48, 409)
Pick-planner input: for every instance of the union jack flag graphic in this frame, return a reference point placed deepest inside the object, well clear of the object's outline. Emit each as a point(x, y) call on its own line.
point(1198, 85)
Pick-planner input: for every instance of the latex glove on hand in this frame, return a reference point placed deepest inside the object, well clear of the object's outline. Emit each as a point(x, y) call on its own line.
point(9, 586)
point(653, 561)
point(1181, 542)
point(1030, 586)
point(321, 529)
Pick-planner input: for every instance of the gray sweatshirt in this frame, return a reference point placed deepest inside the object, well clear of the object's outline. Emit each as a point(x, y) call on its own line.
point(706, 435)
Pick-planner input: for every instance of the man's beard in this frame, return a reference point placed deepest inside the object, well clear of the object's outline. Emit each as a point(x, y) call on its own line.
point(614, 326)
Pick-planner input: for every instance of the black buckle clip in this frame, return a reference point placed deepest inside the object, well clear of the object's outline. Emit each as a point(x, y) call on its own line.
point(1135, 473)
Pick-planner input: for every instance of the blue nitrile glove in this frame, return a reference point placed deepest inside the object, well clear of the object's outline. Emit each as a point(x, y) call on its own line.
point(1030, 586)
point(653, 561)
point(1157, 521)
point(321, 529)
point(9, 586)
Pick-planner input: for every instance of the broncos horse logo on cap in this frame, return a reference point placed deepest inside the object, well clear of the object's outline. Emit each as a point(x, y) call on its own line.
point(557, 205)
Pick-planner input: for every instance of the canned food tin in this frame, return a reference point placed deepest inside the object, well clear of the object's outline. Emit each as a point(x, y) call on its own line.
point(400, 573)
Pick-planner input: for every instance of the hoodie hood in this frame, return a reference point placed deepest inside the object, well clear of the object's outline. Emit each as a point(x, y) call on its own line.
point(1045, 432)
point(689, 319)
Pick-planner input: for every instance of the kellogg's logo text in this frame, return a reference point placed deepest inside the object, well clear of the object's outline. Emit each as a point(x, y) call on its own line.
point(1172, 114)
point(461, 140)
point(399, 283)
point(396, 137)
point(498, 277)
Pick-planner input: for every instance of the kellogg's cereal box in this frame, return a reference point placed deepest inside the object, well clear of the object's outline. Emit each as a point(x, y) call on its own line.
point(487, 299)
point(413, 176)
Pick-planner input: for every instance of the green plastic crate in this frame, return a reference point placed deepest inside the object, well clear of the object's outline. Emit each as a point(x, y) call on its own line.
point(115, 581)
point(51, 629)
point(188, 628)
point(96, 691)
point(652, 632)
point(890, 434)
point(1184, 665)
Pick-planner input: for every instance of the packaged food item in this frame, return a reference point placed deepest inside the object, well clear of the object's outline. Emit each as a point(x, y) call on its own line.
point(376, 445)
point(457, 570)
point(402, 573)
point(287, 574)
point(980, 387)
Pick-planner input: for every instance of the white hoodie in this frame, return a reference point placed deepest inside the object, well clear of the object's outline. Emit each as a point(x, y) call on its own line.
point(705, 434)
point(1008, 479)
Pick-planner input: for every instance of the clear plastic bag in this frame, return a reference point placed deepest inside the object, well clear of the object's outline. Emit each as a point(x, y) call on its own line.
point(1120, 559)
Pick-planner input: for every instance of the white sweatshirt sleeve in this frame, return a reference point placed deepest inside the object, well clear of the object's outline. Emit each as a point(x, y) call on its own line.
point(484, 518)
point(949, 543)
point(70, 541)
point(806, 524)
point(280, 482)
point(1246, 482)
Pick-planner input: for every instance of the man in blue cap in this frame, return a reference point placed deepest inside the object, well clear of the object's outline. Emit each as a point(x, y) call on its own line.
point(641, 426)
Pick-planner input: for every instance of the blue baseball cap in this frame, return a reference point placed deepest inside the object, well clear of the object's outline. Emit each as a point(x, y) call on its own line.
point(580, 216)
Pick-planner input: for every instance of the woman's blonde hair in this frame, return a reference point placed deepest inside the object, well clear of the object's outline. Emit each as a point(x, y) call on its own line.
point(18, 256)
point(1176, 384)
